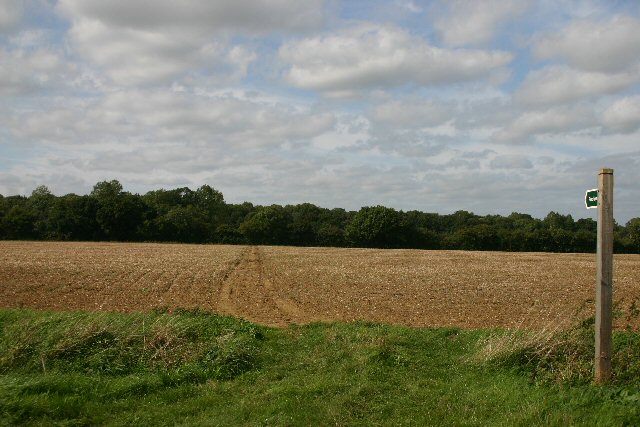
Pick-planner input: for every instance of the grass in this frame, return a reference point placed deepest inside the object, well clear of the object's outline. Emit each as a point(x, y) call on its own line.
point(195, 368)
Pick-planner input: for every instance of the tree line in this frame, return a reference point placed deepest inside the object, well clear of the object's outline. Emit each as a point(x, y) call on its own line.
point(109, 213)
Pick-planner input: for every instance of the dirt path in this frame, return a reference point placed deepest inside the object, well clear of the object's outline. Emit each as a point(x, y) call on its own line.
point(246, 292)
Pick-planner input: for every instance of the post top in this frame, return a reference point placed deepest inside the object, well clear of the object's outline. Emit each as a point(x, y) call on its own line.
point(606, 171)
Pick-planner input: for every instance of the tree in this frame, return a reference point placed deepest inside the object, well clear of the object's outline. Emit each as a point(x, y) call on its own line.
point(162, 201)
point(208, 198)
point(420, 230)
point(556, 221)
point(119, 214)
point(268, 225)
point(584, 241)
point(211, 202)
point(330, 235)
point(202, 215)
point(184, 224)
point(457, 220)
point(633, 234)
point(475, 237)
point(228, 234)
point(304, 224)
point(376, 226)
point(73, 217)
point(18, 223)
point(234, 215)
point(40, 203)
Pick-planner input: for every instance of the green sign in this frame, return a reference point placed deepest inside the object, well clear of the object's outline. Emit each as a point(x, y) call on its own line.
point(591, 199)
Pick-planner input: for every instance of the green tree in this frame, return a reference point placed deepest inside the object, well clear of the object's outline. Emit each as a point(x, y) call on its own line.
point(474, 237)
point(228, 234)
point(330, 235)
point(633, 234)
point(40, 203)
point(376, 226)
point(73, 217)
point(420, 230)
point(211, 202)
point(584, 241)
point(304, 224)
point(458, 220)
point(556, 221)
point(184, 224)
point(268, 225)
point(18, 223)
point(208, 198)
point(162, 201)
point(119, 214)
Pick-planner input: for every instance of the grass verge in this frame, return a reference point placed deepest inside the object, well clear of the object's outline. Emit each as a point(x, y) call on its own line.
point(195, 368)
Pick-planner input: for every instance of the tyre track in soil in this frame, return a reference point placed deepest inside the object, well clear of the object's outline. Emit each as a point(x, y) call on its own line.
point(245, 292)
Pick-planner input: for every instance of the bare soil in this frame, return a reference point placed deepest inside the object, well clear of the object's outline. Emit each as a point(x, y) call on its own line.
point(281, 285)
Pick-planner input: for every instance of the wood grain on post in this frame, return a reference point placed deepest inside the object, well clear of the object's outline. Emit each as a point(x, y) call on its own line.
point(604, 277)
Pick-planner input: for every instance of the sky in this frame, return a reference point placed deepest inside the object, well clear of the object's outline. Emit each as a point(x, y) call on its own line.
point(492, 106)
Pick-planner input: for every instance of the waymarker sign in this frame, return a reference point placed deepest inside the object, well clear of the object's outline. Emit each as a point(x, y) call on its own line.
point(591, 199)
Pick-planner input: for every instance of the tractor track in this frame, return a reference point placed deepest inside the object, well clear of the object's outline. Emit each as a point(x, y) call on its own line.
point(245, 291)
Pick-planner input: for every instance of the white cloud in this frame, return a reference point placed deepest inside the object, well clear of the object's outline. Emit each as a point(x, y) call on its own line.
point(511, 161)
point(25, 180)
point(24, 72)
point(624, 115)
point(134, 56)
point(240, 57)
point(253, 16)
point(474, 22)
point(551, 121)
point(159, 116)
point(142, 43)
point(368, 56)
point(611, 46)
point(412, 114)
point(561, 84)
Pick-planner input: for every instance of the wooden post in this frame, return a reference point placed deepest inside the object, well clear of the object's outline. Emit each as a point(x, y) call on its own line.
point(604, 277)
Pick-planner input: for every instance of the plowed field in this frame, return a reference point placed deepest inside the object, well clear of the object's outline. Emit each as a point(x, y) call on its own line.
point(281, 285)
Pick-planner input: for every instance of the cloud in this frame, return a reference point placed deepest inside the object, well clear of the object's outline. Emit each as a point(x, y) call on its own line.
point(253, 16)
point(611, 46)
point(25, 72)
point(511, 161)
point(412, 113)
point(161, 116)
point(148, 43)
point(24, 181)
point(623, 116)
point(368, 56)
point(134, 56)
point(409, 6)
point(561, 84)
point(10, 14)
point(473, 22)
point(551, 121)
point(410, 145)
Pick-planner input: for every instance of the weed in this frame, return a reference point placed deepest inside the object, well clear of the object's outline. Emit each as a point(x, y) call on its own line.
point(561, 356)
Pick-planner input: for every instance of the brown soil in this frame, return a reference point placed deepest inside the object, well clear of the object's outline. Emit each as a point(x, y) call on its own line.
point(281, 285)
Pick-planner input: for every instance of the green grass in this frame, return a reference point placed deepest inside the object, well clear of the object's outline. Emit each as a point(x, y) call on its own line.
point(195, 368)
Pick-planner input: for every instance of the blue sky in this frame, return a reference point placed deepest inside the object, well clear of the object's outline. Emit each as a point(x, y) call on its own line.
point(487, 106)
